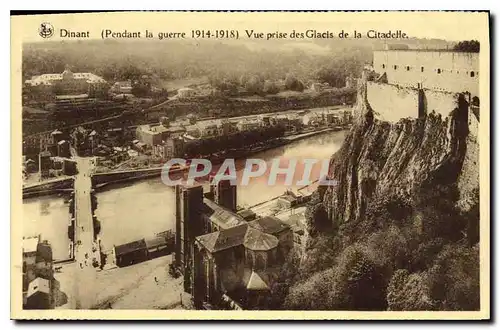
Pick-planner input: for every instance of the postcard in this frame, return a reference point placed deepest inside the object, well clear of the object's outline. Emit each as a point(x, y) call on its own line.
point(250, 165)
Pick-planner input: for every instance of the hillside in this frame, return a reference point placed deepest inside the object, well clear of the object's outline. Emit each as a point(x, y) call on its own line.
point(400, 231)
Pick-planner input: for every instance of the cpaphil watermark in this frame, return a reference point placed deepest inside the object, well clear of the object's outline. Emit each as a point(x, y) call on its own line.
point(278, 171)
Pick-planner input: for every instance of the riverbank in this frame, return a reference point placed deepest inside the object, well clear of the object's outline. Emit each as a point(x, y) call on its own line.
point(106, 179)
point(49, 187)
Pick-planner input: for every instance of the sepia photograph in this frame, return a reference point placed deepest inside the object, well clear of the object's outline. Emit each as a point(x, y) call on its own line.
point(332, 163)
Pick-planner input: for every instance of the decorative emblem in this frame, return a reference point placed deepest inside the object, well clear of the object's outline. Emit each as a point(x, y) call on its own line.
point(46, 30)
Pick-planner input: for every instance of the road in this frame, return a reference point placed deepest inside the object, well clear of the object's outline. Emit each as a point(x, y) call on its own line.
point(85, 273)
point(273, 114)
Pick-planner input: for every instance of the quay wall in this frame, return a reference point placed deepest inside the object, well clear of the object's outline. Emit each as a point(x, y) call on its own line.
point(100, 179)
point(48, 188)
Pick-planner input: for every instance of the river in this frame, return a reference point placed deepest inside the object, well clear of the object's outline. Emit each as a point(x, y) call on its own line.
point(136, 210)
point(48, 216)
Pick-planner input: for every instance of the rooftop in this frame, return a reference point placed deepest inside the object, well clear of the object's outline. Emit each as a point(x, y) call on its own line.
point(45, 153)
point(224, 239)
point(39, 285)
point(256, 282)
point(269, 224)
point(155, 242)
point(72, 97)
point(257, 240)
point(247, 214)
point(130, 247)
point(48, 78)
point(30, 244)
point(221, 216)
point(243, 234)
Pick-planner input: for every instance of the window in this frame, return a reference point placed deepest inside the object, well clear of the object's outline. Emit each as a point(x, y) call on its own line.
point(421, 69)
point(383, 66)
point(395, 67)
point(407, 68)
point(472, 74)
point(439, 71)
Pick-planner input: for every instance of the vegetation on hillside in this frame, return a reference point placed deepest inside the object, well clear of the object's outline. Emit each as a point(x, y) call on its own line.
point(414, 250)
point(227, 66)
point(404, 256)
point(470, 46)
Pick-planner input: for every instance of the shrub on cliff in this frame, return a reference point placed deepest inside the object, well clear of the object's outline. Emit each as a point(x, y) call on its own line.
point(451, 283)
point(435, 205)
point(409, 292)
point(287, 277)
point(320, 254)
point(317, 219)
point(354, 283)
point(455, 278)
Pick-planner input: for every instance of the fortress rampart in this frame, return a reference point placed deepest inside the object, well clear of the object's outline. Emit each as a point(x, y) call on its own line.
point(390, 102)
point(444, 70)
point(412, 83)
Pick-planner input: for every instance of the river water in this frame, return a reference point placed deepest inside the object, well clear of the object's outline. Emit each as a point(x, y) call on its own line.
point(48, 216)
point(137, 210)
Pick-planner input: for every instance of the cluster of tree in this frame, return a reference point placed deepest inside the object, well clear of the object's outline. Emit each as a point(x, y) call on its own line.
point(254, 71)
point(469, 46)
point(239, 140)
point(419, 254)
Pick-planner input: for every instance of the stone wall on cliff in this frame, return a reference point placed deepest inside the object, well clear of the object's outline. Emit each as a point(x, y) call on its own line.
point(391, 102)
point(395, 158)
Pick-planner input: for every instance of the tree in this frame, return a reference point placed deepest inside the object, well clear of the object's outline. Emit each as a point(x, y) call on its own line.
point(320, 254)
point(270, 87)
point(451, 283)
point(253, 85)
point(287, 277)
point(455, 278)
point(409, 292)
point(354, 283)
point(317, 218)
point(471, 46)
point(293, 84)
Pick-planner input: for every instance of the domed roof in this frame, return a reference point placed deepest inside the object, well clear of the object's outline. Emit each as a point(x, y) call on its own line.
point(256, 282)
point(258, 241)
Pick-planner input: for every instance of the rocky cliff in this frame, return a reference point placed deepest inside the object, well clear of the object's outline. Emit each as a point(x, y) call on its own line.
point(399, 230)
point(379, 158)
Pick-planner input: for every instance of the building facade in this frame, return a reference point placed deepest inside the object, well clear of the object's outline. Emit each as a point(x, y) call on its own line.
point(69, 83)
point(225, 259)
point(443, 70)
point(153, 135)
point(37, 273)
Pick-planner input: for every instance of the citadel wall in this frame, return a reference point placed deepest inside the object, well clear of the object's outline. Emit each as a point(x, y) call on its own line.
point(390, 102)
point(456, 72)
point(439, 102)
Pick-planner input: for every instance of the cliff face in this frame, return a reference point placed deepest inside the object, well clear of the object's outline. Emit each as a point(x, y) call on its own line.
point(378, 158)
point(399, 230)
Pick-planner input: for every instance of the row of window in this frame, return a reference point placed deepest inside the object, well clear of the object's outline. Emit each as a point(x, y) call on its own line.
point(439, 71)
